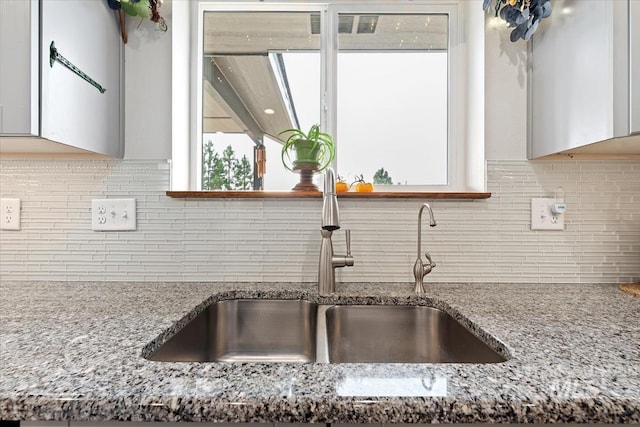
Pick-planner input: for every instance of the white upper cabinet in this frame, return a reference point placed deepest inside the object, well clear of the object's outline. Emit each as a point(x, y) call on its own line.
point(45, 99)
point(634, 23)
point(18, 67)
point(584, 80)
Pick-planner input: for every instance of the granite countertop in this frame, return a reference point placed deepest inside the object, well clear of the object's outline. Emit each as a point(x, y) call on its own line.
point(72, 351)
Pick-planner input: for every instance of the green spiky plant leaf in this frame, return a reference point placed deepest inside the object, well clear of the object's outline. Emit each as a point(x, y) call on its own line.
point(314, 140)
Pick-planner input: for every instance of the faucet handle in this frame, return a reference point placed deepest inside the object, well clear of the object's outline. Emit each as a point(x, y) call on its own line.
point(348, 237)
point(426, 268)
point(348, 259)
point(433, 264)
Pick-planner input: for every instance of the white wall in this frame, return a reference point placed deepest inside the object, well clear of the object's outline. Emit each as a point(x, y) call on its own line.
point(148, 92)
point(148, 88)
point(505, 94)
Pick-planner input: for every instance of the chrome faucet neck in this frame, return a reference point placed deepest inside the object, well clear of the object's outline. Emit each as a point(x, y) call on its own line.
point(420, 268)
point(328, 261)
point(432, 223)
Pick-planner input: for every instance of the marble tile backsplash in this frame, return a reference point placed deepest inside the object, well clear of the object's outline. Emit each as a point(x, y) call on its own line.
point(277, 240)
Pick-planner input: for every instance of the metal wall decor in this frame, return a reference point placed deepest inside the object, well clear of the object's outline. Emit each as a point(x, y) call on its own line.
point(54, 56)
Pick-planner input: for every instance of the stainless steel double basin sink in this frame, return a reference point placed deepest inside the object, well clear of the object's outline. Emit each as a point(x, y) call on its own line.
point(257, 330)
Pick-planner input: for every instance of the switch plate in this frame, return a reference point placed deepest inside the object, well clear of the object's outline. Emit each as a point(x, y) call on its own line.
point(542, 218)
point(113, 214)
point(10, 210)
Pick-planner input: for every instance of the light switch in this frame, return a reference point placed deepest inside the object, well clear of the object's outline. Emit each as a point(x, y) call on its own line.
point(113, 214)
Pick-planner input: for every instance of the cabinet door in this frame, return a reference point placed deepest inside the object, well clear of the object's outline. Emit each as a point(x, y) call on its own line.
point(18, 67)
point(73, 111)
point(634, 28)
point(571, 79)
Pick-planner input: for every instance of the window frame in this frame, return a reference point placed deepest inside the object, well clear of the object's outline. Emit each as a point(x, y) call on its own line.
point(455, 66)
point(330, 10)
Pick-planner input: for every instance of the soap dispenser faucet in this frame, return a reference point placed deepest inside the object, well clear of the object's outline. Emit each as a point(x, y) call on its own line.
point(420, 268)
point(330, 222)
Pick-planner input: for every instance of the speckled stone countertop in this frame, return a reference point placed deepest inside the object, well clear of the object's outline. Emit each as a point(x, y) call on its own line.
point(72, 351)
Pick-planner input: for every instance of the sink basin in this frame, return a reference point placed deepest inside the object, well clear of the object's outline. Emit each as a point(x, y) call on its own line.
point(401, 334)
point(260, 330)
point(246, 331)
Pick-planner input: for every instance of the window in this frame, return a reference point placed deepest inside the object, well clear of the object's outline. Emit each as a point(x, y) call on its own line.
point(385, 80)
point(392, 99)
point(247, 94)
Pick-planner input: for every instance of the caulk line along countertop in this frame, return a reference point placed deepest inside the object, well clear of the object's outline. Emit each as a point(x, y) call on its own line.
point(73, 351)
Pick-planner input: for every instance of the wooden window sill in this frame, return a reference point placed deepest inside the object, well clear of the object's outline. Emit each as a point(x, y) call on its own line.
point(318, 194)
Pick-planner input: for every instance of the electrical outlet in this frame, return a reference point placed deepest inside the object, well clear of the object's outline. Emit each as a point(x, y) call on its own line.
point(542, 217)
point(113, 214)
point(10, 211)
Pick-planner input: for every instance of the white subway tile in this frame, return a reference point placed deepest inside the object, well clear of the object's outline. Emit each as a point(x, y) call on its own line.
point(278, 239)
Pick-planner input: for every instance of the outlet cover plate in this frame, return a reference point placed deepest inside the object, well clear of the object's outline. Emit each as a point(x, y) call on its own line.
point(113, 214)
point(541, 216)
point(10, 210)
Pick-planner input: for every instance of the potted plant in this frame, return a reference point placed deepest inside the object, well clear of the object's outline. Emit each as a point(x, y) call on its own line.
point(314, 150)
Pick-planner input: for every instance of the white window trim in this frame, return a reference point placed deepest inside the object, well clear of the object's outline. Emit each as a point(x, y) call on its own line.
point(186, 153)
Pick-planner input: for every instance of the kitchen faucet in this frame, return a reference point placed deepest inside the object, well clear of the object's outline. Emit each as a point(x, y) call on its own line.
point(421, 269)
point(330, 222)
